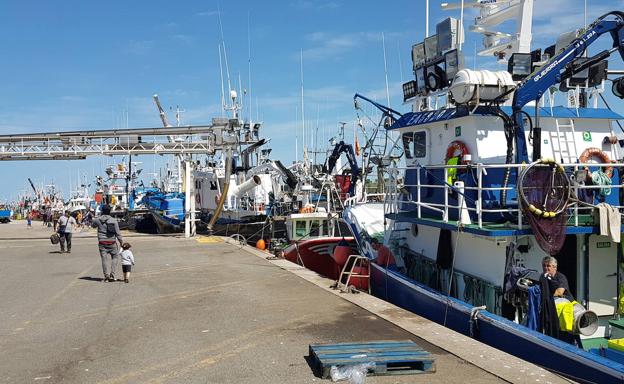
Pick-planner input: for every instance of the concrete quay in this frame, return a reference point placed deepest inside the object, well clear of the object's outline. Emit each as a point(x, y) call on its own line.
point(202, 310)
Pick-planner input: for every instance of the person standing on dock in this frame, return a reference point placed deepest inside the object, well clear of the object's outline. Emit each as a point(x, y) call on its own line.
point(66, 224)
point(108, 236)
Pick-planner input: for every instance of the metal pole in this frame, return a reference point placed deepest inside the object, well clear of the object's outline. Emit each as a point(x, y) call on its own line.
point(187, 199)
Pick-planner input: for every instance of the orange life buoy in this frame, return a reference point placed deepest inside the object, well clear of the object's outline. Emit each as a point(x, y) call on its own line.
point(454, 147)
point(600, 154)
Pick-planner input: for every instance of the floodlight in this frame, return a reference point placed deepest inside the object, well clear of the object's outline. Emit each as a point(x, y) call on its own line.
point(447, 34)
point(431, 47)
point(409, 90)
point(418, 55)
point(520, 65)
point(436, 78)
point(597, 73)
point(421, 85)
point(452, 64)
point(618, 87)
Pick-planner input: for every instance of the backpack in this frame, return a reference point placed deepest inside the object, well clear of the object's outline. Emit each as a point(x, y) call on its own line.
point(62, 228)
point(110, 229)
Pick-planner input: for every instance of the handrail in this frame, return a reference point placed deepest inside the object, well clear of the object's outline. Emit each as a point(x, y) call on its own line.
point(477, 205)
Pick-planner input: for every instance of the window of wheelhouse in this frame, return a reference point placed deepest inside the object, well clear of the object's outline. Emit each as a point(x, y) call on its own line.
point(408, 138)
point(420, 144)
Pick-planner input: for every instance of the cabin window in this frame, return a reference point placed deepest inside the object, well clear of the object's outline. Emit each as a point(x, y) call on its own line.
point(325, 227)
point(315, 228)
point(213, 186)
point(420, 144)
point(300, 228)
point(408, 138)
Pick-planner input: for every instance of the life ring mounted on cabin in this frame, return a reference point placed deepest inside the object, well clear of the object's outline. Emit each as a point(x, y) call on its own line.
point(593, 152)
point(455, 155)
point(452, 151)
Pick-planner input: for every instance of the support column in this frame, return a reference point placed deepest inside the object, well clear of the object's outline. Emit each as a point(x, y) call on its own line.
point(189, 201)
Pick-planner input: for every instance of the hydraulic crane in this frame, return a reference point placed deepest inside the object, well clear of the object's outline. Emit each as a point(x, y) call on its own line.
point(561, 67)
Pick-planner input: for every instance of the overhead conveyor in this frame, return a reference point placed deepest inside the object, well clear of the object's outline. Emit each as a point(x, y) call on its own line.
point(76, 145)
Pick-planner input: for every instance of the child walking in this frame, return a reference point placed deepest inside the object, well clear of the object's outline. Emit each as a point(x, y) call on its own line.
point(127, 261)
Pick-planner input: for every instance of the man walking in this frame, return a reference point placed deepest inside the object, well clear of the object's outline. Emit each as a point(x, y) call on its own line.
point(66, 225)
point(108, 237)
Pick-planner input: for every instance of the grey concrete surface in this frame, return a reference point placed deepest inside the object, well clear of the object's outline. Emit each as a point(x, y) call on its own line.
point(193, 312)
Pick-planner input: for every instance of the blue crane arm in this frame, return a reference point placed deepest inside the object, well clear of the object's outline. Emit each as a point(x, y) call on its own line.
point(559, 68)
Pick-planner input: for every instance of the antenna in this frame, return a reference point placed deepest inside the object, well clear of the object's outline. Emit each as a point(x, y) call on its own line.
point(227, 68)
point(383, 44)
point(302, 106)
point(222, 89)
point(249, 69)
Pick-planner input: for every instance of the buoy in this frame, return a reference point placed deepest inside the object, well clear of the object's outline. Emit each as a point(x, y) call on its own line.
point(260, 244)
point(341, 252)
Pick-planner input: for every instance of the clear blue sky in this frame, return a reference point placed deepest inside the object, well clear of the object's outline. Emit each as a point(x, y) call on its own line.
point(79, 65)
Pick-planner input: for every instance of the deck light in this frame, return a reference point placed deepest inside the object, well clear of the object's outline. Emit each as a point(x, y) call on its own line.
point(520, 65)
point(421, 85)
point(409, 90)
point(436, 78)
point(418, 55)
point(431, 47)
point(452, 64)
point(618, 87)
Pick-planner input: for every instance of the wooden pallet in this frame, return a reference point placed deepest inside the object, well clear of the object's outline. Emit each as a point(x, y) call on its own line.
point(390, 357)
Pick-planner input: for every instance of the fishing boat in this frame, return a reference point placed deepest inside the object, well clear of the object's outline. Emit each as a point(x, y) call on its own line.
point(497, 176)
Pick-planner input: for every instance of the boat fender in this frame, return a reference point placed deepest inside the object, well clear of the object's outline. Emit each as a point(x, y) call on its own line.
point(341, 253)
point(601, 155)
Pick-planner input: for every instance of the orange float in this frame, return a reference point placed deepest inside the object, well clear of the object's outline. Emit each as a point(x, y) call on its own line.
point(261, 244)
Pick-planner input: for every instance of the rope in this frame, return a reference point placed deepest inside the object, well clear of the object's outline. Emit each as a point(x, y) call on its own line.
point(602, 179)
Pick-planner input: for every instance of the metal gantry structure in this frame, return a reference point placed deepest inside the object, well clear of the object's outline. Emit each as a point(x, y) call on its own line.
point(76, 145)
point(220, 136)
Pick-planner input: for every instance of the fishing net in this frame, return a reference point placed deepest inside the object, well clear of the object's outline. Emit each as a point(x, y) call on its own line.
point(544, 192)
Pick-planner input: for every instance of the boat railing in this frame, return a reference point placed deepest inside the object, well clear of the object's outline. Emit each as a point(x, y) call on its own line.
point(365, 198)
point(399, 198)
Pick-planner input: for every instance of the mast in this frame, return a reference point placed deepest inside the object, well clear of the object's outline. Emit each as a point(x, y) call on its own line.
point(305, 157)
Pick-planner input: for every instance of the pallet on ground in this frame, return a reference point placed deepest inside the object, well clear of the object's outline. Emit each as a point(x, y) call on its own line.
point(390, 357)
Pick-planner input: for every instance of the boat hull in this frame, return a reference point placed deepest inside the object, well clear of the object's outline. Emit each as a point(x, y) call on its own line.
point(494, 330)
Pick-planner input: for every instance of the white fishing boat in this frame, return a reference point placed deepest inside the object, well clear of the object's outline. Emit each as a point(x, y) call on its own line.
point(504, 168)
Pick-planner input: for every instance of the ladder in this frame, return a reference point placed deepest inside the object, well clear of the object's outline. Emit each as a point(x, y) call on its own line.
point(565, 151)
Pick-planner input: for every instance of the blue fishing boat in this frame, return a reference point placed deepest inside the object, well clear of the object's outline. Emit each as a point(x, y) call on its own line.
point(499, 185)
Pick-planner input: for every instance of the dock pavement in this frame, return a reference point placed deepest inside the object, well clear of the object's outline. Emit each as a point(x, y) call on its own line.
point(203, 310)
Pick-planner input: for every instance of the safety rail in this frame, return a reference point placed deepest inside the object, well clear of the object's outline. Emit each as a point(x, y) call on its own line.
point(366, 198)
point(396, 198)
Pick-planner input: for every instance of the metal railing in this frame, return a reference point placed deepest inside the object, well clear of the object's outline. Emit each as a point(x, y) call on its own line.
point(397, 199)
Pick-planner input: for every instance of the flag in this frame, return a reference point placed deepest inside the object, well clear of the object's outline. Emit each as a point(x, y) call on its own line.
point(357, 147)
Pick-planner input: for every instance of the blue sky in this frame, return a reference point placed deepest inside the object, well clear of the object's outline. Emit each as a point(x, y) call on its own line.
point(78, 65)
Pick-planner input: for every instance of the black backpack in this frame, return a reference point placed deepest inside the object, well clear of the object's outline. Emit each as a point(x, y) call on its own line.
point(110, 229)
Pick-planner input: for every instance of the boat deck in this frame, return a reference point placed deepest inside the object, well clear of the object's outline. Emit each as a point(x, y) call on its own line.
point(199, 311)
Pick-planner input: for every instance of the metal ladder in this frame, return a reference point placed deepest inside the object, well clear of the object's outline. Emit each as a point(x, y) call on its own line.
point(566, 150)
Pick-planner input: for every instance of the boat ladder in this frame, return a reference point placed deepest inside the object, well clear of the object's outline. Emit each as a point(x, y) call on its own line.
point(354, 270)
point(565, 151)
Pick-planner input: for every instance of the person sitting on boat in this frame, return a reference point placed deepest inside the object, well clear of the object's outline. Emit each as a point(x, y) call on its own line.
point(557, 281)
point(385, 258)
point(559, 288)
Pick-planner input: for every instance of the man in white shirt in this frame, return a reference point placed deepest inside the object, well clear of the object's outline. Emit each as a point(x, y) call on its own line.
point(65, 229)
